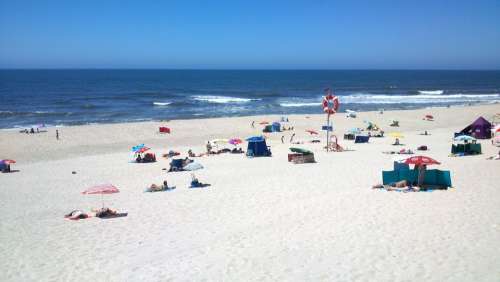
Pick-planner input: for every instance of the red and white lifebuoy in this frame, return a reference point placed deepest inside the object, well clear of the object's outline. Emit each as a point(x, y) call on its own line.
point(330, 104)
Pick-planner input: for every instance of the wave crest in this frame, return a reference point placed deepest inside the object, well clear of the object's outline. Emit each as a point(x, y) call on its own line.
point(431, 92)
point(162, 103)
point(222, 99)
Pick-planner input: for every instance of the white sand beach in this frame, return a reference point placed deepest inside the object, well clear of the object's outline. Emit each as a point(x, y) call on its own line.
point(262, 219)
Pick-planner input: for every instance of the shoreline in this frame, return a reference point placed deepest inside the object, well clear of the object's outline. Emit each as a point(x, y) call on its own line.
point(341, 112)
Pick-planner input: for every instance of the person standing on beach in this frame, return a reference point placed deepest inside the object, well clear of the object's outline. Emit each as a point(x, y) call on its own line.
point(209, 148)
point(291, 138)
point(253, 124)
point(282, 139)
point(57, 134)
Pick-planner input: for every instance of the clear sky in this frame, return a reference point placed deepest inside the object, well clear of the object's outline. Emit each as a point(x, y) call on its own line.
point(251, 34)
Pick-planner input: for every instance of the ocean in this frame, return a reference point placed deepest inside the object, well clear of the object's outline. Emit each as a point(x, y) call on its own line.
point(72, 97)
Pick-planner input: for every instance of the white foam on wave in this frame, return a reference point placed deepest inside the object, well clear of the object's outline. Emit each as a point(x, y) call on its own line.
point(222, 99)
point(431, 92)
point(417, 99)
point(162, 103)
point(300, 104)
point(366, 98)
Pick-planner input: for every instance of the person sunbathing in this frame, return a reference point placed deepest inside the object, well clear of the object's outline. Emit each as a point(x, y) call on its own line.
point(76, 215)
point(191, 154)
point(155, 188)
point(402, 186)
point(104, 212)
point(195, 183)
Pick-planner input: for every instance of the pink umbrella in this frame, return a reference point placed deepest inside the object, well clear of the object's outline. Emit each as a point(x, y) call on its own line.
point(312, 131)
point(264, 122)
point(101, 189)
point(235, 141)
point(9, 161)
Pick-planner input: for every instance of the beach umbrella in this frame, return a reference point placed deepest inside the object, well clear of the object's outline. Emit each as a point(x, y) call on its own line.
point(396, 135)
point(7, 161)
point(429, 116)
point(142, 150)
point(464, 138)
point(235, 141)
point(421, 160)
point(312, 132)
point(136, 148)
point(264, 122)
point(101, 189)
point(496, 129)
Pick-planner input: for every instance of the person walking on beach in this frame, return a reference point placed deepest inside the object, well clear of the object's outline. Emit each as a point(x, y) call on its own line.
point(209, 148)
point(291, 138)
point(253, 124)
point(282, 139)
point(57, 134)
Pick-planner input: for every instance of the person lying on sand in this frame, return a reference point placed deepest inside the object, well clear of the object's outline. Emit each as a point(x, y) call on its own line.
point(195, 183)
point(76, 215)
point(104, 212)
point(402, 185)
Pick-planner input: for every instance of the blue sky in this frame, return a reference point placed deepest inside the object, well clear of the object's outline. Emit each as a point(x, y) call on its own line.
point(254, 34)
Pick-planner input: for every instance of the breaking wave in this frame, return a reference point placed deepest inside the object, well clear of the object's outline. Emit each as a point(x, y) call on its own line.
point(431, 92)
point(162, 103)
point(222, 99)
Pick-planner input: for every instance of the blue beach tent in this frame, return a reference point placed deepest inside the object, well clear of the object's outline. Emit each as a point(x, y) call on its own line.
point(276, 127)
point(257, 147)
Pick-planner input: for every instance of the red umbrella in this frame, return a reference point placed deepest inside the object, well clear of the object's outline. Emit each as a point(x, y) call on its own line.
point(264, 122)
point(101, 189)
point(9, 161)
point(429, 116)
point(312, 131)
point(421, 160)
point(142, 150)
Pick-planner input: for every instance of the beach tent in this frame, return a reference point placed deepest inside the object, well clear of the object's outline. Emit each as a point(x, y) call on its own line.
point(164, 129)
point(276, 127)
point(481, 129)
point(467, 147)
point(257, 147)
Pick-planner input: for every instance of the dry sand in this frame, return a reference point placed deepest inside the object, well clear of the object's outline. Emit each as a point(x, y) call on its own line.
point(262, 218)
